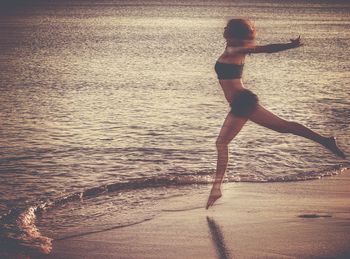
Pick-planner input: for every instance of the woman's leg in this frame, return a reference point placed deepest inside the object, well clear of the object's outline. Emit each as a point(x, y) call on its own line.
point(269, 120)
point(231, 127)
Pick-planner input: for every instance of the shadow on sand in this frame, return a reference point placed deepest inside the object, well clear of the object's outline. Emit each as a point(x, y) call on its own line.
point(218, 239)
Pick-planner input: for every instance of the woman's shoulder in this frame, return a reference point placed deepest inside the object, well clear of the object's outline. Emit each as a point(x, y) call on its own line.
point(232, 55)
point(235, 51)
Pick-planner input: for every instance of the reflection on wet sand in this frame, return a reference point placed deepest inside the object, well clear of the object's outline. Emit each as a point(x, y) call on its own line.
point(218, 239)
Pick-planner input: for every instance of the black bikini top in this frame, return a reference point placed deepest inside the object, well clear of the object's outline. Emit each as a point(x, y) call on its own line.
point(228, 71)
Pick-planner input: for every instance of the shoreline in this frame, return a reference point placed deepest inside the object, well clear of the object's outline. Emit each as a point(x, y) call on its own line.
point(271, 220)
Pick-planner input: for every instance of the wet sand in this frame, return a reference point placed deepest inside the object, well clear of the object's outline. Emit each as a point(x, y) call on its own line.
point(309, 219)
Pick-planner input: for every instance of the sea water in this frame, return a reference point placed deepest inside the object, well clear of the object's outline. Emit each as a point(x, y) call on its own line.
point(109, 108)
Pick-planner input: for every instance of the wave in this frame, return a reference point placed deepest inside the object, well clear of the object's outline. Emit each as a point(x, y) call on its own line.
point(18, 230)
point(18, 227)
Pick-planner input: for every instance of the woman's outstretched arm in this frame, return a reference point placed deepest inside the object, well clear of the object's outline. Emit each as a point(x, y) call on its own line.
point(272, 48)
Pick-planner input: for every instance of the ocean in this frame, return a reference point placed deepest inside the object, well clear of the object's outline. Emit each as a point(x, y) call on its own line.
point(109, 108)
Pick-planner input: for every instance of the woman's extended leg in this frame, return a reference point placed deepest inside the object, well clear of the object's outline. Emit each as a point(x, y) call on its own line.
point(231, 127)
point(269, 120)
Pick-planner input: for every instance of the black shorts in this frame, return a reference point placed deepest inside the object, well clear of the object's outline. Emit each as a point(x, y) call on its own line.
point(244, 103)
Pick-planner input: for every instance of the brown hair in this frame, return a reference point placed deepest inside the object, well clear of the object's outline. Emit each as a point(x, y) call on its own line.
point(240, 29)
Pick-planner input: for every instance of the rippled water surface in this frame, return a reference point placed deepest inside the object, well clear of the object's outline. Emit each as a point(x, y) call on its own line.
point(124, 95)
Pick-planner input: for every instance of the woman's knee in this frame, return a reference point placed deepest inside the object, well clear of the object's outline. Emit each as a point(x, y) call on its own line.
point(221, 143)
point(289, 127)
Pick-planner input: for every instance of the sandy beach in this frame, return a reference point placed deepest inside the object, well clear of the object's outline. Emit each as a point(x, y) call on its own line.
point(110, 112)
point(309, 219)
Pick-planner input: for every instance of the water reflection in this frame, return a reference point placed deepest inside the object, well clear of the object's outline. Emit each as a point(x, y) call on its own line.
point(218, 239)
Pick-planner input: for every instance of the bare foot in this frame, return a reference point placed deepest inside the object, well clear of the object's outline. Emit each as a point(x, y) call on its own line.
point(215, 194)
point(331, 144)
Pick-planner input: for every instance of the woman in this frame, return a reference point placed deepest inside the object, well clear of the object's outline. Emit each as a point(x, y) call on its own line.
point(240, 35)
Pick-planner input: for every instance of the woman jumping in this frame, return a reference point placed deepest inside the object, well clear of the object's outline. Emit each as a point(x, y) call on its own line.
point(240, 35)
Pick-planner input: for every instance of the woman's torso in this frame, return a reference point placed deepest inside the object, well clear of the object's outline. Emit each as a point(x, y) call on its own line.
point(231, 86)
